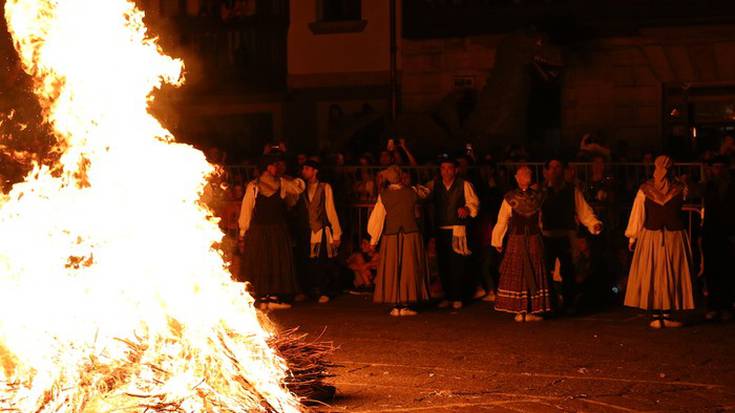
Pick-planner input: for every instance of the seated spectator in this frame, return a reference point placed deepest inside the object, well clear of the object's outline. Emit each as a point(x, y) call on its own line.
point(364, 265)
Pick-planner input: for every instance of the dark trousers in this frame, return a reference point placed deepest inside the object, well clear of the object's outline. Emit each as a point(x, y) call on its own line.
point(452, 267)
point(718, 271)
point(561, 248)
point(323, 272)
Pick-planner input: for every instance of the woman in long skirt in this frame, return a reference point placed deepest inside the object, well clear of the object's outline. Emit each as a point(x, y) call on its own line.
point(403, 273)
point(265, 244)
point(659, 278)
point(523, 287)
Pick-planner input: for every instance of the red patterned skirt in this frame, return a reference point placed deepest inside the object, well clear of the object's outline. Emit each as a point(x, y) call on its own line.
point(523, 286)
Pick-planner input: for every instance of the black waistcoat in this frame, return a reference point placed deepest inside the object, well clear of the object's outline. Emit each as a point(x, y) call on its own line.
point(447, 202)
point(400, 210)
point(558, 210)
point(666, 216)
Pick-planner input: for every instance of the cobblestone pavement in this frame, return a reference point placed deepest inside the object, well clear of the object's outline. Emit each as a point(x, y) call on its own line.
point(479, 360)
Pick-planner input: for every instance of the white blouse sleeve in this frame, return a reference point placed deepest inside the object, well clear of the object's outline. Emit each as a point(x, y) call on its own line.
point(332, 212)
point(292, 186)
point(585, 213)
point(637, 217)
point(246, 209)
point(376, 222)
point(501, 227)
point(472, 202)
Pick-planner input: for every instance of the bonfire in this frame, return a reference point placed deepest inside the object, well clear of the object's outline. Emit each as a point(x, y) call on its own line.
point(113, 293)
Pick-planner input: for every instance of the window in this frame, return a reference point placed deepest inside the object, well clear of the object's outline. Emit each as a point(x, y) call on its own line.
point(340, 10)
point(338, 16)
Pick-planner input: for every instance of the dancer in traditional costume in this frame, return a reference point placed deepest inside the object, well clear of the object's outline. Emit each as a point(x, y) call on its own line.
point(455, 203)
point(265, 244)
point(324, 233)
point(523, 286)
point(563, 206)
point(659, 278)
point(403, 273)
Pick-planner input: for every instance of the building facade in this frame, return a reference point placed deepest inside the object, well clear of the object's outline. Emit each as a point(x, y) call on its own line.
point(541, 73)
point(235, 56)
point(655, 75)
point(339, 65)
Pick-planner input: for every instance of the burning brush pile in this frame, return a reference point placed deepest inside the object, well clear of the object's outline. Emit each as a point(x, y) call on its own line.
point(112, 295)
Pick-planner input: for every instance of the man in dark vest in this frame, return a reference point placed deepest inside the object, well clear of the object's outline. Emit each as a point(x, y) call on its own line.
point(324, 233)
point(455, 202)
point(563, 206)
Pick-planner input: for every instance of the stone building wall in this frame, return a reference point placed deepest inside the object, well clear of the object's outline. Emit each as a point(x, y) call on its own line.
point(611, 86)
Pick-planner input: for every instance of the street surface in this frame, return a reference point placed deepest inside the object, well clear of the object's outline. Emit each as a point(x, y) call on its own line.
point(479, 360)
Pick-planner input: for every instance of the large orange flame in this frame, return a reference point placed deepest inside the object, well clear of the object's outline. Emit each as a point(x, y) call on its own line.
point(112, 294)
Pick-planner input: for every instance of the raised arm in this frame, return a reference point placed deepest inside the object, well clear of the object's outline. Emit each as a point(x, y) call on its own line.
point(410, 158)
point(292, 186)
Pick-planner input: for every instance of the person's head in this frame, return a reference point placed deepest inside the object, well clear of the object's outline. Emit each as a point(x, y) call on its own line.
point(270, 164)
point(385, 158)
point(392, 175)
point(648, 158)
point(463, 165)
point(719, 167)
point(309, 170)
point(281, 167)
point(237, 191)
point(488, 169)
point(524, 177)
point(598, 165)
point(405, 178)
point(663, 165)
point(448, 169)
point(301, 158)
point(365, 160)
point(213, 154)
point(554, 170)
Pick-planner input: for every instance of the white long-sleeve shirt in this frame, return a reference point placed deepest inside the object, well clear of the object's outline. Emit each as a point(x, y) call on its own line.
point(637, 217)
point(287, 187)
point(584, 213)
point(501, 226)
